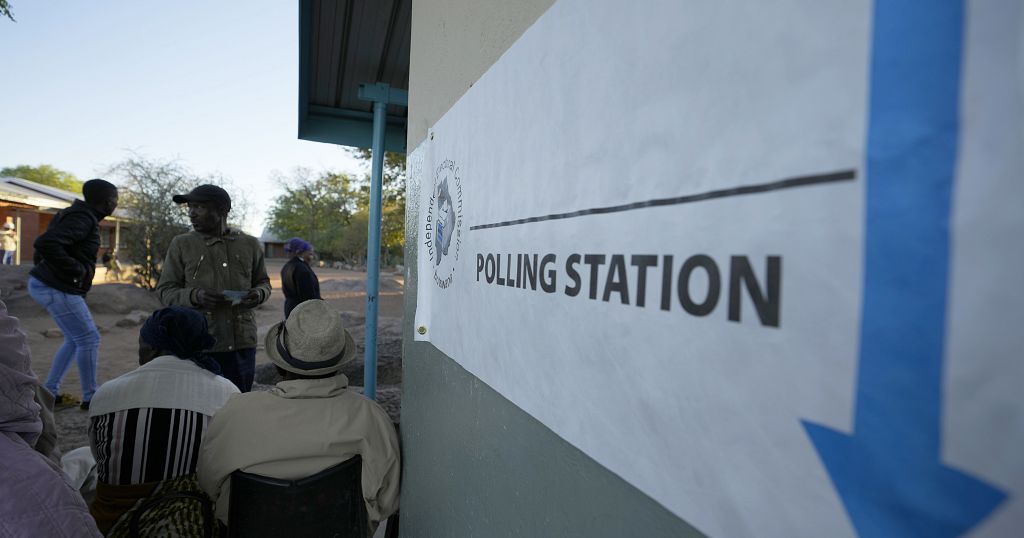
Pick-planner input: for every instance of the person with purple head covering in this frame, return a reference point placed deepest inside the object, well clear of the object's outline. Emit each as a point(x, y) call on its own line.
point(297, 277)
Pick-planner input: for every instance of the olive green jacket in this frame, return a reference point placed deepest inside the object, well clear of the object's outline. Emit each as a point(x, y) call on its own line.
point(233, 261)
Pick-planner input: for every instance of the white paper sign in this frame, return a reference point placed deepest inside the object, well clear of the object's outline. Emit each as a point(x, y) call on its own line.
point(679, 234)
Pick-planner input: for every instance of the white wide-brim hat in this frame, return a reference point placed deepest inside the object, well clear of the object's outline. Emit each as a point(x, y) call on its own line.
point(312, 341)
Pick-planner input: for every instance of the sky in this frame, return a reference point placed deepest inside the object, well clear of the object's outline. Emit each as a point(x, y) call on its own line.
point(211, 84)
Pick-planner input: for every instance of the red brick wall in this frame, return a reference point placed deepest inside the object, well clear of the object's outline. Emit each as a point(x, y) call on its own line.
point(34, 223)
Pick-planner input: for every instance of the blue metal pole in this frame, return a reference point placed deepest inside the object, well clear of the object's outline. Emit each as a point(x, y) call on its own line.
point(373, 251)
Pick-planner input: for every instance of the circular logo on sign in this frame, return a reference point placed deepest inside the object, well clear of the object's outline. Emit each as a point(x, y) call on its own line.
point(443, 230)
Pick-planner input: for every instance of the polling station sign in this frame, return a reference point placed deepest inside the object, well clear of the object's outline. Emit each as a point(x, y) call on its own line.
point(754, 259)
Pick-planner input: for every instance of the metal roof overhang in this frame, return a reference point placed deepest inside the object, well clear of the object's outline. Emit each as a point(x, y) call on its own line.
point(342, 45)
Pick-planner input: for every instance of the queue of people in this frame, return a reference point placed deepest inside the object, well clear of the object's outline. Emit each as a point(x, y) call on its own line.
point(186, 414)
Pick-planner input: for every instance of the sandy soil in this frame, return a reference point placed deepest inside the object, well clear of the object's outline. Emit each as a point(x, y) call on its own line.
point(112, 303)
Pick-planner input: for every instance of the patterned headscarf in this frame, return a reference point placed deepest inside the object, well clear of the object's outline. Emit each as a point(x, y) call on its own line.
point(182, 332)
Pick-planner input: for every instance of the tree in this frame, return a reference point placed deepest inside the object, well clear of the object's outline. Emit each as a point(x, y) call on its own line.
point(393, 188)
point(331, 210)
point(316, 208)
point(146, 188)
point(350, 244)
point(392, 233)
point(5, 10)
point(392, 237)
point(45, 174)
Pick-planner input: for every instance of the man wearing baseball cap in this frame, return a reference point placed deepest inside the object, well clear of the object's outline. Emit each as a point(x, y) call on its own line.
point(221, 272)
point(308, 422)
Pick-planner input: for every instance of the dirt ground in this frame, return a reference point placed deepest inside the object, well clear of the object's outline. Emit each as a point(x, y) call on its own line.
point(112, 303)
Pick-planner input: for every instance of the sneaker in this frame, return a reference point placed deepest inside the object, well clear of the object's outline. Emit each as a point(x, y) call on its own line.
point(63, 401)
point(84, 406)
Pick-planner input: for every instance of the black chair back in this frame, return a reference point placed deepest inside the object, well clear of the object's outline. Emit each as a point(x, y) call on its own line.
point(329, 503)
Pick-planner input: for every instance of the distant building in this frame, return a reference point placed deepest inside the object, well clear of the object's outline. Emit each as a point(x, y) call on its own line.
point(273, 246)
point(30, 206)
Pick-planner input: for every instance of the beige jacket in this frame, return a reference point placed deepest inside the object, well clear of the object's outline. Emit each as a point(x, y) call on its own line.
point(297, 429)
point(8, 240)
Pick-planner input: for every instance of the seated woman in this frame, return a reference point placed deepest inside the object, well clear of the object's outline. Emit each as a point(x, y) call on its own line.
point(146, 425)
point(35, 497)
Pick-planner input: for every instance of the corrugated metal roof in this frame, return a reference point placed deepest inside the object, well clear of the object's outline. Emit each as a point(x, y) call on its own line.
point(45, 197)
point(15, 189)
point(343, 44)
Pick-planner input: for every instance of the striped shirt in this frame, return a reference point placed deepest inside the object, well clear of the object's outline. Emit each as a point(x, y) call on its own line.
point(135, 446)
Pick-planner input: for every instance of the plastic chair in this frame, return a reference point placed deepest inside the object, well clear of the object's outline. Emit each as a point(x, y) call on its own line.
point(329, 503)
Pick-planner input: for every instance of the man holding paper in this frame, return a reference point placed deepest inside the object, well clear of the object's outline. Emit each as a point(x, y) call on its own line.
point(221, 272)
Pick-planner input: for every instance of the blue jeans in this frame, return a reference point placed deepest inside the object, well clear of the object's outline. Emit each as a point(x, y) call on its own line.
point(81, 339)
point(8, 257)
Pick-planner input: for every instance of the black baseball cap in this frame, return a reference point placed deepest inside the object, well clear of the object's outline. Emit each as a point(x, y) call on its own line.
point(205, 193)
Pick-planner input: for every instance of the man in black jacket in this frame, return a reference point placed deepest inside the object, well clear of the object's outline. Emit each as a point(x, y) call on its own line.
point(65, 261)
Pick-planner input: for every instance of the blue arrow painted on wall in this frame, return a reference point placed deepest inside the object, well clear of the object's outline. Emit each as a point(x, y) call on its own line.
point(889, 472)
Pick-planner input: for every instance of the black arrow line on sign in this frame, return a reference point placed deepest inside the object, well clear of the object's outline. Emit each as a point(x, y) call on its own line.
point(789, 183)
